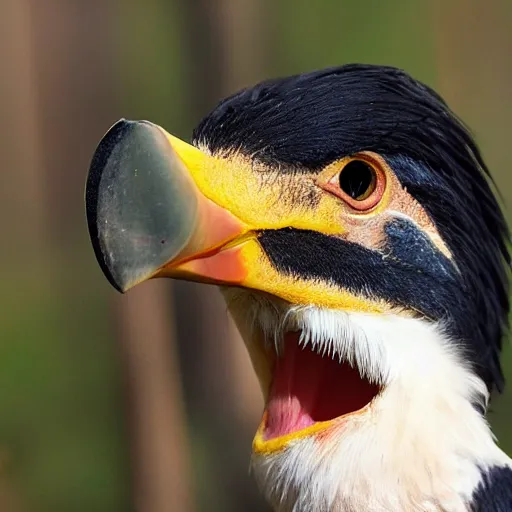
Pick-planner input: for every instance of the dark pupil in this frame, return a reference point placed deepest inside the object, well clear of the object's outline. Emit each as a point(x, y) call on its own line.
point(356, 178)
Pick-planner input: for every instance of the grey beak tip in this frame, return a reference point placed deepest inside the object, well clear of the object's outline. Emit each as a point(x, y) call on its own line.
point(140, 203)
point(92, 196)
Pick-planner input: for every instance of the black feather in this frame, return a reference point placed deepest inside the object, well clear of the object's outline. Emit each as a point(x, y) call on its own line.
point(494, 492)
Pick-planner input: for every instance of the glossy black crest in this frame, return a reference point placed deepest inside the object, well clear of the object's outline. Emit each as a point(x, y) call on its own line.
point(310, 120)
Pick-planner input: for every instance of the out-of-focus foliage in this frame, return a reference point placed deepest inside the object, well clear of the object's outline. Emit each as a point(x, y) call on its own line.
point(71, 68)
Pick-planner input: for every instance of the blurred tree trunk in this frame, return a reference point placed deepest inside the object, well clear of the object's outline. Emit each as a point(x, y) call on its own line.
point(473, 46)
point(226, 51)
point(76, 101)
point(78, 93)
point(21, 192)
point(22, 208)
point(241, 29)
point(161, 476)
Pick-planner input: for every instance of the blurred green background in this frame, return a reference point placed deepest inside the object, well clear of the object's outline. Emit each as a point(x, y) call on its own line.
point(147, 402)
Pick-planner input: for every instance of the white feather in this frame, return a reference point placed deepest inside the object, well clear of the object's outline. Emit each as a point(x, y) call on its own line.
point(420, 445)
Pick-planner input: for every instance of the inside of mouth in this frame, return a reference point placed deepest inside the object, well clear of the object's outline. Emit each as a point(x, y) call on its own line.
point(308, 388)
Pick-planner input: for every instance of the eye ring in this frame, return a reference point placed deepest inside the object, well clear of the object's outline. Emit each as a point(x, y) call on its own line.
point(360, 182)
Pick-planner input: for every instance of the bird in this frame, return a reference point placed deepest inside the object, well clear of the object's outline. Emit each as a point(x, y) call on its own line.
point(356, 235)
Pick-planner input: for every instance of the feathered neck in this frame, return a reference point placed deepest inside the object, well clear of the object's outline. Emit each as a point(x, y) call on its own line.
point(423, 445)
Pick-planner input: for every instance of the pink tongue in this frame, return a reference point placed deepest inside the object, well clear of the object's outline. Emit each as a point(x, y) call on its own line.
point(294, 390)
point(308, 388)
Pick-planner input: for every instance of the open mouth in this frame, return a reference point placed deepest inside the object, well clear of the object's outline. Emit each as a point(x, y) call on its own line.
point(310, 391)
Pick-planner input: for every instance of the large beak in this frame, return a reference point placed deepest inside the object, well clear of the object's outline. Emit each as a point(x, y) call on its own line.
point(147, 217)
point(159, 207)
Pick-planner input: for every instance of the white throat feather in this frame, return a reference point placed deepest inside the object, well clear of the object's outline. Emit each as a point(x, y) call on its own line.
point(422, 444)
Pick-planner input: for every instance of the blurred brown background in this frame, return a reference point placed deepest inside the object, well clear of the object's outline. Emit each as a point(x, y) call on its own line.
point(147, 401)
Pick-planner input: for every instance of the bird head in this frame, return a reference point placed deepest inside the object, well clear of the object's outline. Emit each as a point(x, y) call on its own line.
point(348, 218)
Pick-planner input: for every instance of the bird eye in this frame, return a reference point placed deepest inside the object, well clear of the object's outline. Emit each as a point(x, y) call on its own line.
point(358, 180)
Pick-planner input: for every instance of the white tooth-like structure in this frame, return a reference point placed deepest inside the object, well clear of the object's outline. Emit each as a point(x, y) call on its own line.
point(327, 335)
point(326, 332)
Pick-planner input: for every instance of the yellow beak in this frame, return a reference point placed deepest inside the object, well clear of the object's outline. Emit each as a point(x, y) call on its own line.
point(159, 207)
